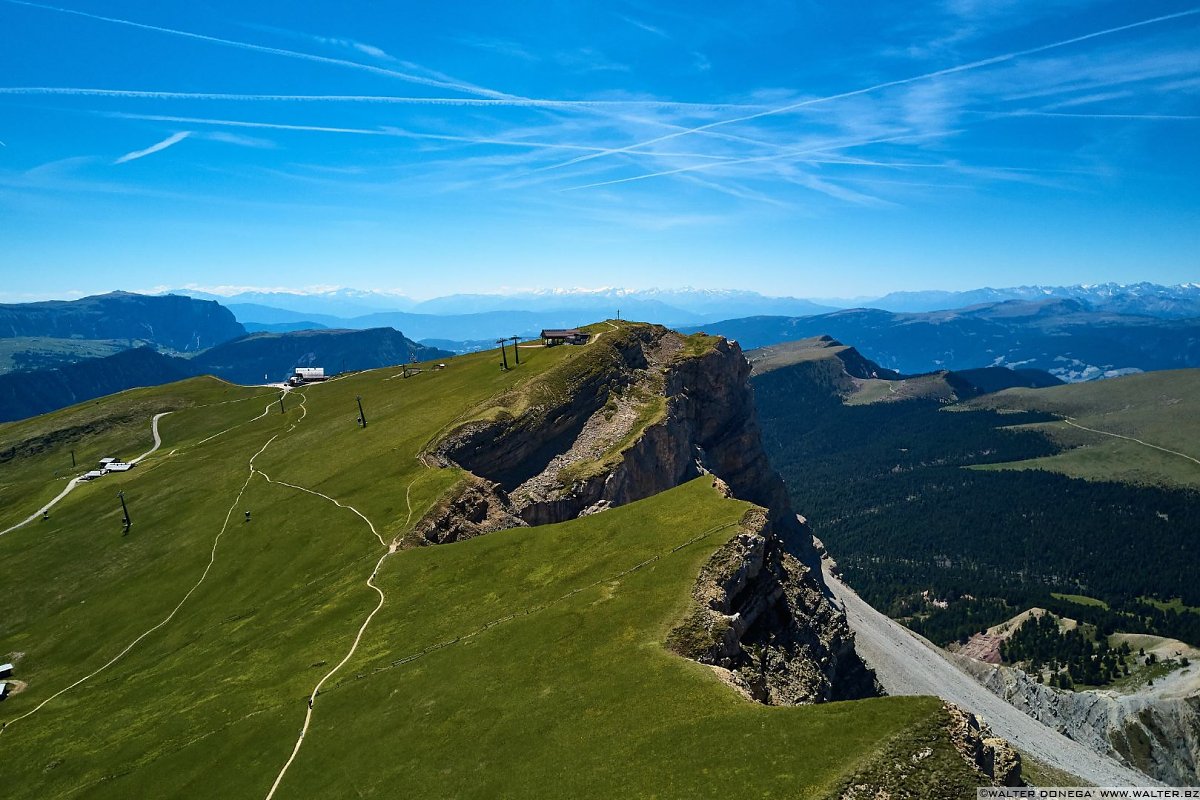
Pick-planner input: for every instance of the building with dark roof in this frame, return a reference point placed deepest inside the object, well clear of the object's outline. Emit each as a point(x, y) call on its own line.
point(553, 336)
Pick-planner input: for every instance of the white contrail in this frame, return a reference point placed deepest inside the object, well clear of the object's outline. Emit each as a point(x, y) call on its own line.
point(1098, 116)
point(370, 98)
point(791, 154)
point(397, 133)
point(171, 140)
point(987, 62)
point(278, 51)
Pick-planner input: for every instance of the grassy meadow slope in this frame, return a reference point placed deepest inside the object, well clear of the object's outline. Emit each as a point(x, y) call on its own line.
point(1161, 409)
point(539, 668)
point(35, 454)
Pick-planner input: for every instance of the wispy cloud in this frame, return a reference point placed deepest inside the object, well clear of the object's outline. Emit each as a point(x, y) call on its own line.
point(424, 80)
point(228, 290)
point(645, 26)
point(237, 139)
point(589, 59)
point(927, 76)
point(170, 141)
point(386, 130)
point(504, 47)
point(780, 156)
point(329, 41)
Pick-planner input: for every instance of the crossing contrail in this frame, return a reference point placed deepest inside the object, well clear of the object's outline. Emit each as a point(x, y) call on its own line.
point(278, 51)
point(790, 154)
point(514, 102)
point(973, 65)
point(398, 133)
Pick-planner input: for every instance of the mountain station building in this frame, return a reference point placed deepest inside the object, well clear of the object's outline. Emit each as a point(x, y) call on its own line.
point(553, 336)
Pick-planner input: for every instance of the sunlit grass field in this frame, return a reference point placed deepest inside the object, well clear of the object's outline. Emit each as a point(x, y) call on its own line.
point(539, 668)
point(1158, 408)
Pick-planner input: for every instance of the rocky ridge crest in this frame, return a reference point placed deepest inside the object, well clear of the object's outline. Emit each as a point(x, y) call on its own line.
point(641, 410)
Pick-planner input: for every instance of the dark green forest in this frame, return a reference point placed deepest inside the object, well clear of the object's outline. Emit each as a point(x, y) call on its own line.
point(886, 488)
point(1071, 657)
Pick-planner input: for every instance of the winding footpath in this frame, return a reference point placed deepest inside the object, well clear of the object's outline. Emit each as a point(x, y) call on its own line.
point(1075, 424)
point(76, 481)
point(266, 410)
point(212, 558)
point(908, 664)
point(362, 629)
point(203, 576)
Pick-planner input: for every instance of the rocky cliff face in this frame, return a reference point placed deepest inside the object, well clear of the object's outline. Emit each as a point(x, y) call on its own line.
point(641, 411)
point(1159, 736)
point(992, 756)
point(759, 616)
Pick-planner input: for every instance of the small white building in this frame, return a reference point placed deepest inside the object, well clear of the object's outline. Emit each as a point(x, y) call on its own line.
point(302, 375)
point(118, 466)
point(92, 475)
point(3, 689)
point(6, 670)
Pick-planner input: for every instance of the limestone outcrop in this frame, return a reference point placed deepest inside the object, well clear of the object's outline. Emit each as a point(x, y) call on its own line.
point(758, 615)
point(993, 757)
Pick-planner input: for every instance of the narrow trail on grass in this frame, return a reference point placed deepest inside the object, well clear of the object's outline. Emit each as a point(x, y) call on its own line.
point(266, 410)
point(531, 610)
point(1074, 424)
point(346, 681)
point(362, 629)
point(76, 481)
point(212, 558)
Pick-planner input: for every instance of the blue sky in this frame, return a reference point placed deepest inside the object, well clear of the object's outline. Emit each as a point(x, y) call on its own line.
point(803, 148)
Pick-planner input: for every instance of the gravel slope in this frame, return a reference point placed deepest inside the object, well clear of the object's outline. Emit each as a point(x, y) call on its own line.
point(908, 664)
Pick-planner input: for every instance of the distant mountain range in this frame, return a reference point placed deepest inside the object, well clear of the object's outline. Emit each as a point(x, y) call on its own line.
point(355, 308)
point(1067, 338)
point(453, 327)
point(1076, 333)
point(333, 302)
point(1149, 299)
point(344, 307)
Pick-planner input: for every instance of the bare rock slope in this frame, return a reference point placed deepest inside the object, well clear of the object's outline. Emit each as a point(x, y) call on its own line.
point(1158, 735)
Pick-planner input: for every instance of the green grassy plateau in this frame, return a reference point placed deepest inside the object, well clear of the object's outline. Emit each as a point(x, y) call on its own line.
point(1161, 409)
point(525, 663)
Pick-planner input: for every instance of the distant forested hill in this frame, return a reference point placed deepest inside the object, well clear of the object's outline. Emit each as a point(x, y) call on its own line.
point(170, 322)
point(26, 394)
point(885, 485)
point(273, 356)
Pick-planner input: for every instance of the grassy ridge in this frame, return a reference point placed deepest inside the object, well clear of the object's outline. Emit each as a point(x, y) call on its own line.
point(576, 698)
